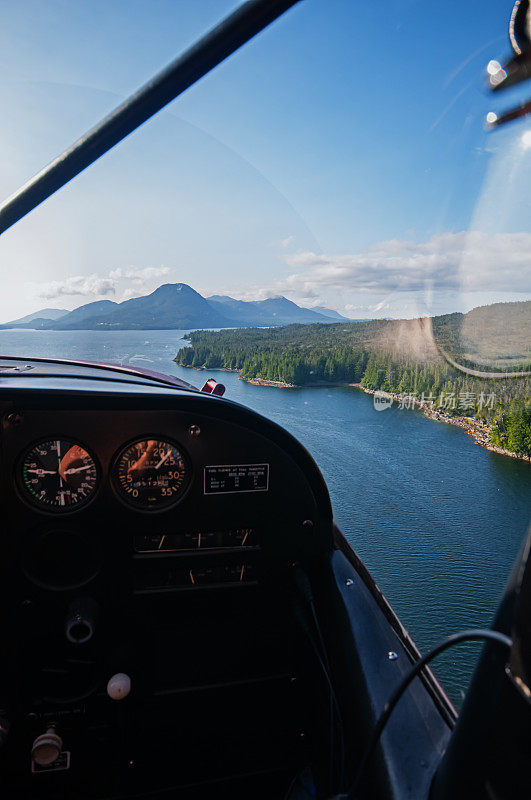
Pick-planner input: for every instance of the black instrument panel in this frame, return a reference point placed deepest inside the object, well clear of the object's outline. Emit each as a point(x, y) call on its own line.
point(152, 472)
point(184, 587)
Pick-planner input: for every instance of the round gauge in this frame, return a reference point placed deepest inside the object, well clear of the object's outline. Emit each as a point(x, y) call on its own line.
point(151, 474)
point(58, 475)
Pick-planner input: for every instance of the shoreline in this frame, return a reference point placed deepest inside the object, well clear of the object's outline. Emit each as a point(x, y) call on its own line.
point(480, 431)
point(264, 382)
point(283, 385)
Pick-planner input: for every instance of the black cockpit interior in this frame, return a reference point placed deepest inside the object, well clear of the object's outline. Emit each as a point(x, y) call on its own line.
point(159, 647)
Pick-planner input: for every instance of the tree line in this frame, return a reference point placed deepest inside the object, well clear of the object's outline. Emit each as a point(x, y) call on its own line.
point(302, 355)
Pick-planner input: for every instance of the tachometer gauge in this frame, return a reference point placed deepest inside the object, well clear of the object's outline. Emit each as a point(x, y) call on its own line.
point(58, 475)
point(151, 474)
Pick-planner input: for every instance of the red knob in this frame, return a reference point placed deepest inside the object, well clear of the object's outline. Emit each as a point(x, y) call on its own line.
point(213, 387)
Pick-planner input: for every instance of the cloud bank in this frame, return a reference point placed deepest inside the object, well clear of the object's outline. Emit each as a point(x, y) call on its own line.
point(134, 273)
point(78, 285)
point(94, 286)
point(465, 261)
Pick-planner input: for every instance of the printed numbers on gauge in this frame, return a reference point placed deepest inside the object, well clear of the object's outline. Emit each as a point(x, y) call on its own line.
point(58, 475)
point(151, 474)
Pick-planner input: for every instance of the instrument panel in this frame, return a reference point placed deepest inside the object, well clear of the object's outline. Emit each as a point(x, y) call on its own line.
point(60, 475)
point(90, 481)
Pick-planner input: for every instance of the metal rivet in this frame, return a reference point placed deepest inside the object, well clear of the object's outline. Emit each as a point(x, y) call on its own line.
point(392, 656)
point(349, 582)
point(307, 523)
point(194, 430)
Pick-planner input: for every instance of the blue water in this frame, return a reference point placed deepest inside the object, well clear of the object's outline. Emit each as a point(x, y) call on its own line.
point(437, 520)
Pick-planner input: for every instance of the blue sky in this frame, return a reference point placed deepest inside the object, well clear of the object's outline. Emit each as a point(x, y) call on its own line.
point(339, 158)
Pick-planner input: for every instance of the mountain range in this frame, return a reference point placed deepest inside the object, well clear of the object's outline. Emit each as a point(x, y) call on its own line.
point(176, 306)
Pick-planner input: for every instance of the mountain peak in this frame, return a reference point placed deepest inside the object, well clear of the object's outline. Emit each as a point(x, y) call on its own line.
point(173, 288)
point(177, 306)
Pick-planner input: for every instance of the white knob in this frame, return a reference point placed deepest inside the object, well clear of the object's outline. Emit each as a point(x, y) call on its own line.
point(119, 686)
point(47, 748)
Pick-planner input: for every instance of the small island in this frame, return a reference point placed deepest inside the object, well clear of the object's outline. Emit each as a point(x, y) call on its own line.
point(402, 358)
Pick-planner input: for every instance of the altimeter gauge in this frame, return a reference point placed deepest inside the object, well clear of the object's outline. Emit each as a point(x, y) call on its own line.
point(58, 475)
point(151, 474)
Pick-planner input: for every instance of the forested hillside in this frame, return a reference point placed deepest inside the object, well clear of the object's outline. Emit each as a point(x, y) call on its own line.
point(393, 356)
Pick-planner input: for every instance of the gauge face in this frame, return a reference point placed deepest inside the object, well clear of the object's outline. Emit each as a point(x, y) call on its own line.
point(151, 474)
point(58, 475)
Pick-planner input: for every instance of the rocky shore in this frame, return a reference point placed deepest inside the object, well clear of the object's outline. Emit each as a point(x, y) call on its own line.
point(283, 385)
point(479, 430)
point(263, 382)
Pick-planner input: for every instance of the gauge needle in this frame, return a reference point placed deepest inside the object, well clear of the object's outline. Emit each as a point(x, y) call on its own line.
point(61, 490)
point(163, 459)
point(76, 469)
point(58, 443)
point(42, 471)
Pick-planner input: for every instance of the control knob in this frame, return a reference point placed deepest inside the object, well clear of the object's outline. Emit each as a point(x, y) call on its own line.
point(47, 747)
point(119, 686)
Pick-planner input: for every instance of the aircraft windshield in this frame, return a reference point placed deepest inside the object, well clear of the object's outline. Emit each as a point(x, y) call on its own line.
point(336, 174)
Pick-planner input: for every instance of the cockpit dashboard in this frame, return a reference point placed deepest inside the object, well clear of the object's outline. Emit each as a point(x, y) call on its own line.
point(148, 532)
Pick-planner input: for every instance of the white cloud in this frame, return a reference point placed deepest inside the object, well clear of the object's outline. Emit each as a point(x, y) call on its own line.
point(136, 273)
point(81, 285)
point(128, 294)
point(141, 279)
point(451, 261)
point(241, 292)
point(382, 306)
point(283, 242)
point(96, 286)
point(451, 271)
point(287, 241)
